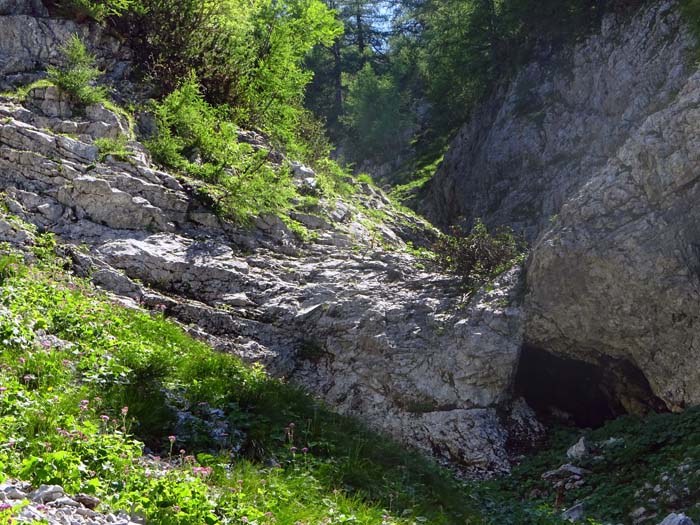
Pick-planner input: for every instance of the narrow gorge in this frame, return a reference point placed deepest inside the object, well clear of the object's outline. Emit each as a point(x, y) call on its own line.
point(591, 152)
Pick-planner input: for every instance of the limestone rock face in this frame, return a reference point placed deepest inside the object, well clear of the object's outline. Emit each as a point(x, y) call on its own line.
point(30, 43)
point(617, 274)
point(593, 153)
point(536, 142)
point(367, 329)
point(22, 7)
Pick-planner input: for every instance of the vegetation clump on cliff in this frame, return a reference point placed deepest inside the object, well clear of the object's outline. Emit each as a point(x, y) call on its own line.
point(216, 68)
point(479, 256)
point(76, 76)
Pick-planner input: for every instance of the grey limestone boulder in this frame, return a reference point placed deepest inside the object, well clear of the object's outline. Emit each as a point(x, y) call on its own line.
point(676, 519)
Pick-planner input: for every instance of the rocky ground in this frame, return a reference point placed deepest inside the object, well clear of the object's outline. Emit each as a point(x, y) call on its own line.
point(351, 315)
point(51, 504)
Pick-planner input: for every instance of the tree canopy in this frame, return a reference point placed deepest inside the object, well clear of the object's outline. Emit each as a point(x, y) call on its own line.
point(444, 55)
point(378, 73)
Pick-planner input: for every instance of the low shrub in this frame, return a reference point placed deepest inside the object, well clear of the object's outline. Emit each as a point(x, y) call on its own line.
point(478, 256)
point(10, 265)
point(77, 75)
point(116, 148)
point(201, 141)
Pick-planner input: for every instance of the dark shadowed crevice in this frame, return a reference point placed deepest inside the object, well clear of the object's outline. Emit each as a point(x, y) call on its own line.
point(587, 394)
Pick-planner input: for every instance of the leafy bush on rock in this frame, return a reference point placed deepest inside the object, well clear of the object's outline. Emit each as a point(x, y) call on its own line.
point(77, 74)
point(478, 256)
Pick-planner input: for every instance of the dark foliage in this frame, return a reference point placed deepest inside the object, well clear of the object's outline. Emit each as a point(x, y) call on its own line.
point(479, 256)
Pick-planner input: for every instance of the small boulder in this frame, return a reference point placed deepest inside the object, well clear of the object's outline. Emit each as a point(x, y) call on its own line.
point(579, 450)
point(573, 514)
point(105, 123)
point(677, 519)
point(565, 471)
point(87, 500)
point(11, 492)
point(237, 299)
point(47, 494)
point(65, 501)
point(303, 176)
point(341, 212)
point(86, 513)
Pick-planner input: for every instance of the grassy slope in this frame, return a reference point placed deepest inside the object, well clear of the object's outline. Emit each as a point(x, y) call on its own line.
point(63, 420)
point(651, 462)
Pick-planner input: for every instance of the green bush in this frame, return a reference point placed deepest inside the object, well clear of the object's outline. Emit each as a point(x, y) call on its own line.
point(77, 74)
point(98, 10)
point(200, 140)
point(479, 256)
point(691, 14)
point(10, 265)
point(247, 55)
point(116, 148)
point(248, 61)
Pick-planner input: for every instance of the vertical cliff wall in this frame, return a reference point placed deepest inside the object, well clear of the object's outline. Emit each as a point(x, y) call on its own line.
point(535, 142)
point(593, 153)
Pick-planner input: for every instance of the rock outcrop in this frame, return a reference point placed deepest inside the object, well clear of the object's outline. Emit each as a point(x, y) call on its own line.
point(593, 153)
point(617, 274)
point(535, 143)
point(31, 41)
point(352, 315)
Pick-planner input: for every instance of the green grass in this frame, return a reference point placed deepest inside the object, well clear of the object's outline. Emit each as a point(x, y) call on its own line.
point(411, 179)
point(116, 148)
point(79, 415)
point(21, 93)
point(631, 456)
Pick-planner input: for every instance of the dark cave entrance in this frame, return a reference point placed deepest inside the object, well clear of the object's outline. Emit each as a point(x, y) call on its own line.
point(580, 392)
